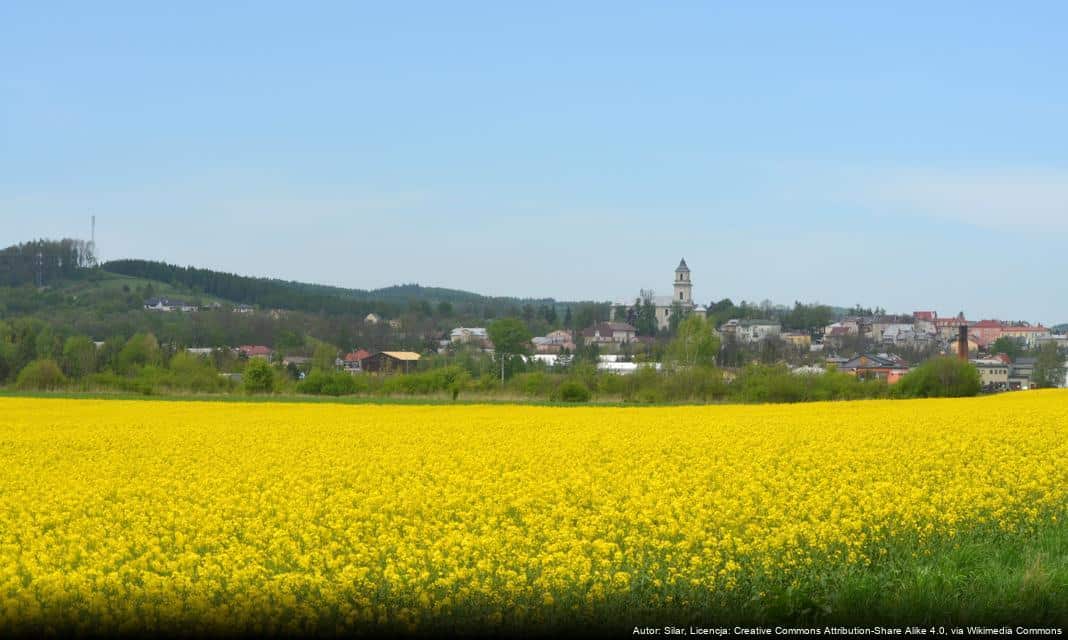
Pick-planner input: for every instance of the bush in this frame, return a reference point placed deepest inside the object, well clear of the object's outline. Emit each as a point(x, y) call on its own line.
point(943, 377)
point(572, 391)
point(40, 375)
point(535, 384)
point(258, 376)
point(337, 383)
point(450, 379)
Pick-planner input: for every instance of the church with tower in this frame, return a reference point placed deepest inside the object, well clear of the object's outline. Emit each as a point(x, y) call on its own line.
point(681, 299)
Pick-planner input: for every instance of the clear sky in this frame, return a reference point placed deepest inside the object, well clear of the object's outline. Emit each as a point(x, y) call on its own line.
point(911, 156)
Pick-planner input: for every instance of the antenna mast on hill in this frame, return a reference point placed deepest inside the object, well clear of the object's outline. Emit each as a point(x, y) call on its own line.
point(92, 237)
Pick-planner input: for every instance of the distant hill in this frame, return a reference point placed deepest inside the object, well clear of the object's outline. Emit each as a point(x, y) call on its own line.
point(301, 296)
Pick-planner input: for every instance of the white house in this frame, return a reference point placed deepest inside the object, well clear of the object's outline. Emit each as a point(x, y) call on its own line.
point(757, 330)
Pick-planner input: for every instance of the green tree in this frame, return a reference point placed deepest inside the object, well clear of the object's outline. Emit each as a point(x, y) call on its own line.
point(510, 339)
point(694, 344)
point(40, 375)
point(676, 317)
point(79, 356)
point(1049, 366)
point(1009, 346)
point(47, 344)
point(324, 357)
point(646, 322)
point(258, 376)
point(444, 309)
point(140, 350)
point(942, 377)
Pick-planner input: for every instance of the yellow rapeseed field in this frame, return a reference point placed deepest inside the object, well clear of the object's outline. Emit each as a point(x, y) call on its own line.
point(258, 516)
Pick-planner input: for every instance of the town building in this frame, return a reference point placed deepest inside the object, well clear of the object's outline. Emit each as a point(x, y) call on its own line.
point(353, 361)
point(554, 342)
point(1025, 334)
point(387, 362)
point(169, 304)
point(1021, 372)
point(468, 335)
point(947, 328)
point(256, 351)
point(993, 374)
point(609, 333)
point(301, 362)
point(751, 331)
point(798, 339)
point(876, 366)
point(985, 331)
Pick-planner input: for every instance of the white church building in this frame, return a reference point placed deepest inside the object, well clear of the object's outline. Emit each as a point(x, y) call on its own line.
point(681, 298)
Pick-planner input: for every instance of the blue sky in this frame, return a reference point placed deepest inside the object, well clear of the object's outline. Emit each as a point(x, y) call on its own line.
point(911, 156)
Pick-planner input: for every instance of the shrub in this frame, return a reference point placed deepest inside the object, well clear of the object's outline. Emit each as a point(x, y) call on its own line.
point(258, 376)
point(435, 380)
point(943, 377)
point(40, 375)
point(535, 384)
point(337, 383)
point(572, 391)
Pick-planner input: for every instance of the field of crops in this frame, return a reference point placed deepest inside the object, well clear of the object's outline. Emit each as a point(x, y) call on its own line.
point(141, 515)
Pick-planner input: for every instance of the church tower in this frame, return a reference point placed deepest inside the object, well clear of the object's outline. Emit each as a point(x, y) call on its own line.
point(683, 286)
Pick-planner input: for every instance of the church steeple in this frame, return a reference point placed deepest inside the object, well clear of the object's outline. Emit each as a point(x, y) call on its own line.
point(683, 286)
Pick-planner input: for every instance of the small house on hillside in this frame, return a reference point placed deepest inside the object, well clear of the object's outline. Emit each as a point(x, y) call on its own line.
point(256, 351)
point(353, 361)
point(169, 304)
point(390, 362)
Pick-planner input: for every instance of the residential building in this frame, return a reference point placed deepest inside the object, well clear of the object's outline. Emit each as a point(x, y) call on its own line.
point(798, 339)
point(842, 328)
point(199, 351)
point(256, 351)
point(947, 328)
point(1026, 334)
point(924, 321)
point(243, 308)
point(1020, 373)
point(751, 331)
point(993, 373)
point(609, 333)
point(301, 362)
point(372, 318)
point(169, 304)
point(467, 335)
point(880, 324)
point(986, 332)
point(390, 362)
point(871, 366)
point(1060, 340)
point(353, 361)
point(554, 342)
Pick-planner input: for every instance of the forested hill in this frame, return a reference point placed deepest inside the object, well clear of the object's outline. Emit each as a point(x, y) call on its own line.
point(42, 262)
point(285, 294)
